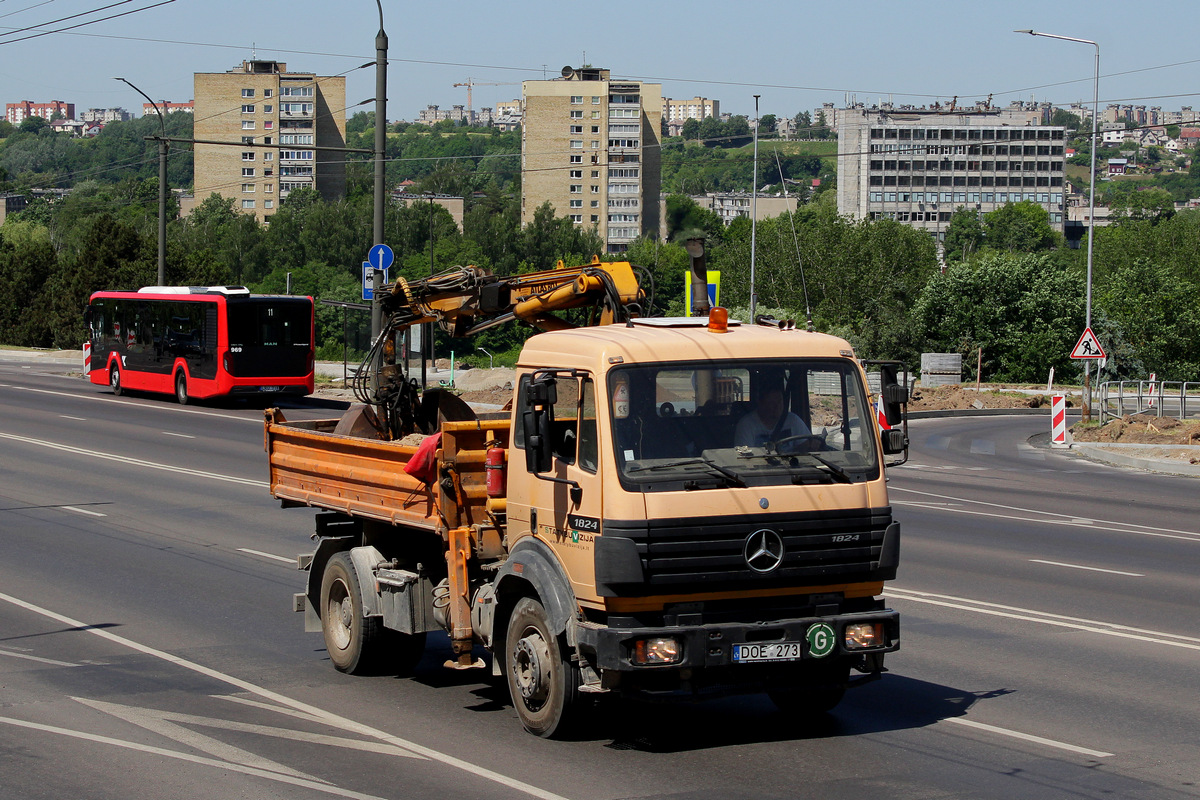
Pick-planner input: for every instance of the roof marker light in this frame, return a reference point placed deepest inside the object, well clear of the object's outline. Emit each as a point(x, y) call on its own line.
point(718, 319)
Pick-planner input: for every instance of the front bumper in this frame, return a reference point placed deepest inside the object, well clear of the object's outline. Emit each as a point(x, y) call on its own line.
point(711, 645)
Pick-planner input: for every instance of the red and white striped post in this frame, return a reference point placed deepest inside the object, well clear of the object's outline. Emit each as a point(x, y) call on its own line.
point(87, 357)
point(1058, 421)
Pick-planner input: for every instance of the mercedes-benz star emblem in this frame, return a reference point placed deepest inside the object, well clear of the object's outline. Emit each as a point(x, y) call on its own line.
point(763, 550)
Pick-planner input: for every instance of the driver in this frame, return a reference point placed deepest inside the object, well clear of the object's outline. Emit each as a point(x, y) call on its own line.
point(768, 422)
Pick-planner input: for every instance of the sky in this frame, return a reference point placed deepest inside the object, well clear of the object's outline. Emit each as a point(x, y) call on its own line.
point(795, 55)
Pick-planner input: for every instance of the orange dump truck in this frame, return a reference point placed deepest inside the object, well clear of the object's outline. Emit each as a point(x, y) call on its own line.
point(673, 508)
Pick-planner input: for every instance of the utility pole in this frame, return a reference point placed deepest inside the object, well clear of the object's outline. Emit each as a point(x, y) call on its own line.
point(754, 214)
point(162, 184)
point(381, 47)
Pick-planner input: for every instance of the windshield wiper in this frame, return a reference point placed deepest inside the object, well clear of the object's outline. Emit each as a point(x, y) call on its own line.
point(834, 469)
point(687, 462)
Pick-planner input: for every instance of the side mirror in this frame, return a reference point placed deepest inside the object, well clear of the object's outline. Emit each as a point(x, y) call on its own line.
point(894, 395)
point(893, 441)
point(540, 398)
point(538, 451)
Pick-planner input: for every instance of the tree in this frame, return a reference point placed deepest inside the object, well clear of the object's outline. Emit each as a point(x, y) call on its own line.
point(34, 124)
point(964, 234)
point(1023, 310)
point(1021, 227)
point(1158, 313)
point(691, 129)
point(687, 220)
point(1150, 203)
point(766, 125)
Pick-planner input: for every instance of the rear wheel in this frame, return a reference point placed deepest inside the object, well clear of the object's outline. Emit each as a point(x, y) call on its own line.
point(354, 642)
point(542, 681)
point(114, 379)
point(816, 687)
point(181, 390)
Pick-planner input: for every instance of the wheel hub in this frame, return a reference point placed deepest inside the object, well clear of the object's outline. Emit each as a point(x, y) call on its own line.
point(531, 667)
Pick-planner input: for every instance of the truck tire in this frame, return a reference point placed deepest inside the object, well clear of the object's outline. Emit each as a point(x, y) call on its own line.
point(114, 380)
point(181, 390)
point(355, 643)
point(542, 681)
point(818, 687)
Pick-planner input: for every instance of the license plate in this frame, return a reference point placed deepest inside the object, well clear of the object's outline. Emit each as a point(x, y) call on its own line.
point(270, 388)
point(769, 651)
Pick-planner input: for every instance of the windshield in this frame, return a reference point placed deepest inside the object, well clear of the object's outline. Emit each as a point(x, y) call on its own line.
point(744, 423)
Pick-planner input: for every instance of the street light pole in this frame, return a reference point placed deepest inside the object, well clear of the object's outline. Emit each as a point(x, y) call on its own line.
point(162, 184)
point(1087, 364)
point(381, 47)
point(754, 214)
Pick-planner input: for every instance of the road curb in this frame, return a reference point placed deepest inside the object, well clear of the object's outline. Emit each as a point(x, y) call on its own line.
point(1124, 455)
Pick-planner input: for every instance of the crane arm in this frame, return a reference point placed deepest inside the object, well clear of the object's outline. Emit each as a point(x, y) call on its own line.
point(466, 300)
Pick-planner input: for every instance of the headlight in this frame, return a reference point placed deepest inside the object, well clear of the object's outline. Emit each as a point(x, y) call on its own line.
point(864, 635)
point(659, 650)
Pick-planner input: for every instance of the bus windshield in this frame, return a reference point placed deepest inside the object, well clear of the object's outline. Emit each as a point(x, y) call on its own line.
point(744, 423)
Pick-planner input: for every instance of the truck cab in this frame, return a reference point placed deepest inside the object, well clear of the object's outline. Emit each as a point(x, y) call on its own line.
point(705, 510)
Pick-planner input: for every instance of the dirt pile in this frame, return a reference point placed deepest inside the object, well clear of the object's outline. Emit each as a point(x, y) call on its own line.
point(955, 396)
point(1140, 429)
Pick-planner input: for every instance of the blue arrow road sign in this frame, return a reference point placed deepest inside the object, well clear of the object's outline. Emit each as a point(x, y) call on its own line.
point(380, 256)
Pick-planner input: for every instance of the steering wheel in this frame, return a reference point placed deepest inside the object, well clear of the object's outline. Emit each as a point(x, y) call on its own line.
point(666, 410)
point(814, 441)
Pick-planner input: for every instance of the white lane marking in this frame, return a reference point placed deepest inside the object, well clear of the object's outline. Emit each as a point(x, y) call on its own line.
point(1045, 618)
point(983, 447)
point(164, 406)
point(4, 651)
point(1028, 737)
point(1042, 516)
point(77, 419)
point(83, 511)
point(1089, 569)
point(163, 722)
point(210, 762)
point(136, 462)
point(327, 717)
point(180, 435)
point(267, 555)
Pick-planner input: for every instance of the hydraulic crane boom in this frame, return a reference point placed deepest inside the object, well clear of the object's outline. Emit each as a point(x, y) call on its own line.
point(466, 300)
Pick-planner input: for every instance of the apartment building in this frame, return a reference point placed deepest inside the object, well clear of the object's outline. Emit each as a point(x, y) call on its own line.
point(105, 115)
point(697, 108)
point(917, 166)
point(167, 106)
point(17, 112)
point(272, 119)
point(590, 146)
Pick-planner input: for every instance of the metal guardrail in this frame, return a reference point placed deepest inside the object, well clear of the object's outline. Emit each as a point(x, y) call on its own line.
point(1180, 399)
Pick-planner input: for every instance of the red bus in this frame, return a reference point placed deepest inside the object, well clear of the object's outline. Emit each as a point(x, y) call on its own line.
point(201, 341)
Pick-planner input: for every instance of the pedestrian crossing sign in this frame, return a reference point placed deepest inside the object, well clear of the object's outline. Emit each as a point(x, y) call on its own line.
point(1088, 347)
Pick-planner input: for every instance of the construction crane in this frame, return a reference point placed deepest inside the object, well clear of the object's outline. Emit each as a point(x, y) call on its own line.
point(471, 82)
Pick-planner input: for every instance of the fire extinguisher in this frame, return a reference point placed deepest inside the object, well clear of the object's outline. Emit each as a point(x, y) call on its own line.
point(494, 469)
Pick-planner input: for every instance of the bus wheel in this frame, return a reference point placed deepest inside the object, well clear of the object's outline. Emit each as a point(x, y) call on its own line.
point(542, 681)
point(181, 392)
point(353, 641)
point(114, 379)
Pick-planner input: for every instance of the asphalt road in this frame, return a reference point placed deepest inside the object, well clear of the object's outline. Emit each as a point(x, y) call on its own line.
point(148, 647)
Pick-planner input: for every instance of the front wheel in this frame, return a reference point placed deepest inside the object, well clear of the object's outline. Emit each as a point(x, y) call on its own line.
point(181, 390)
point(542, 681)
point(354, 642)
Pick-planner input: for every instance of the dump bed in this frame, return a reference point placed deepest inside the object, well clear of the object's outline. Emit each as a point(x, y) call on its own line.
point(362, 477)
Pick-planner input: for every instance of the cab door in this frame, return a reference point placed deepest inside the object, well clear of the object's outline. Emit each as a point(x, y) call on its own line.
point(562, 507)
